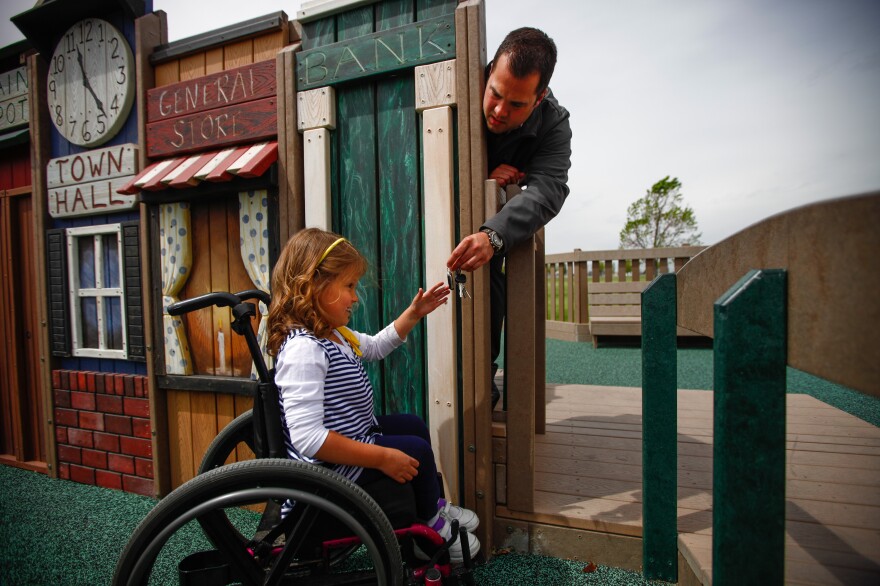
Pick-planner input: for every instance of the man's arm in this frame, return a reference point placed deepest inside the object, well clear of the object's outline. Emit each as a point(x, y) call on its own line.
point(546, 189)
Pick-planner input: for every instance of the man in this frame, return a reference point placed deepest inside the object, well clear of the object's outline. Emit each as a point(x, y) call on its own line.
point(529, 143)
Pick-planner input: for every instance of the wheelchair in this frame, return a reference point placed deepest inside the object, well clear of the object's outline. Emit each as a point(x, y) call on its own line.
point(273, 520)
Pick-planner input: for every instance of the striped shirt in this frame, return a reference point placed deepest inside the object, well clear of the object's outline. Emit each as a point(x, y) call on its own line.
point(322, 387)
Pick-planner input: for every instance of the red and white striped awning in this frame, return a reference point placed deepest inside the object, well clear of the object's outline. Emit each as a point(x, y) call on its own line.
point(188, 171)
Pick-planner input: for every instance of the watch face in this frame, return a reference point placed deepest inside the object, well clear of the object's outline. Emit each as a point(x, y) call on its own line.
point(91, 82)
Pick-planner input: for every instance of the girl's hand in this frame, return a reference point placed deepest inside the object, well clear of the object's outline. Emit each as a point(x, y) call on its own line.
point(422, 304)
point(427, 301)
point(399, 466)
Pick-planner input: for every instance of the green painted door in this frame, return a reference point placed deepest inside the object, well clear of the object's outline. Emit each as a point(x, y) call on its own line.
point(376, 187)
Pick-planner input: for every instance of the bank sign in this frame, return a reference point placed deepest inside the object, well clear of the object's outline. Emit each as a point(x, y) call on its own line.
point(403, 47)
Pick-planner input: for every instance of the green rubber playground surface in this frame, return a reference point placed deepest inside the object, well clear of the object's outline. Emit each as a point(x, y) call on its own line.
point(58, 532)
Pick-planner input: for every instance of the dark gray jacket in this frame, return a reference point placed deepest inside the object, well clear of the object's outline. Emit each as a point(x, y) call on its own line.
point(541, 147)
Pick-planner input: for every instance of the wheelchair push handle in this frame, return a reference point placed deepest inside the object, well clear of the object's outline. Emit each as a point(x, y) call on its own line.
point(218, 298)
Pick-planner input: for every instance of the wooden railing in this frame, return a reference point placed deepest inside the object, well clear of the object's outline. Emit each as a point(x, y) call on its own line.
point(580, 280)
point(779, 293)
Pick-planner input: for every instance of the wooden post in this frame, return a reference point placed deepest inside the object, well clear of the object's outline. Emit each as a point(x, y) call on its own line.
point(435, 94)
point(316, 111)
point(659, 430)
point(521, 356)
point(748, 516)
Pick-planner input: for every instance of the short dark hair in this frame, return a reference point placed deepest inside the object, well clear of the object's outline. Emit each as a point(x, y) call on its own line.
point(529, 50)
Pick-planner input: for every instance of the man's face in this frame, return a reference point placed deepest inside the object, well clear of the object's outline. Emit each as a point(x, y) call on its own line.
point(509, 100)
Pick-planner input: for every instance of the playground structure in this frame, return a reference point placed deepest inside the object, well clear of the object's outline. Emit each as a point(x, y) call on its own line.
point(350, 153)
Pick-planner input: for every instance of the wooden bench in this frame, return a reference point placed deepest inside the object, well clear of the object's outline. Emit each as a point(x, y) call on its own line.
point(598, 293)
point(616, 310)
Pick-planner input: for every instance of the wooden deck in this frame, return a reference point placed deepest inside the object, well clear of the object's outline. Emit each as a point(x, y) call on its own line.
point(589, 476)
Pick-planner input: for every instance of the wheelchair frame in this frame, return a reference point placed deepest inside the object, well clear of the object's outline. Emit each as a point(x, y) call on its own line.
point(279, 551)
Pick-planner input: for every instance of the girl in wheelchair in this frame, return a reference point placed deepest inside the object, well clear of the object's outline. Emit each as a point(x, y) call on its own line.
point(325, 394)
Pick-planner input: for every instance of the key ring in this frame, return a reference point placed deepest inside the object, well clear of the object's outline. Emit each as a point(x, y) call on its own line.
point(460, 281)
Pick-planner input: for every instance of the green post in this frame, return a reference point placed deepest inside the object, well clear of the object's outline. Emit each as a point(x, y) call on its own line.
point(748, 526)
point(659, 430)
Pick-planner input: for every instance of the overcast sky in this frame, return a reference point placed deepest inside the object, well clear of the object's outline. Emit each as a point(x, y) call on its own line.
point(757, 106)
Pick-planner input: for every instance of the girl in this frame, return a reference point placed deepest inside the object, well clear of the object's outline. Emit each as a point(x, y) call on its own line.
point(327, 399)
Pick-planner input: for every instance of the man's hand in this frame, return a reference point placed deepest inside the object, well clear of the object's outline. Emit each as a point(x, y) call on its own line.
point(506, 175)
point(471, 253)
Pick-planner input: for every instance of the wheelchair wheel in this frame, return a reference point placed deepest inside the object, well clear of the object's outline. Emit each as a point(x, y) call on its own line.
point(240, 431)
point(209, 498)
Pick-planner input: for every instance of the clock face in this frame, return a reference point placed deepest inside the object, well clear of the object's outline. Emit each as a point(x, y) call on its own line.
point(91, 82)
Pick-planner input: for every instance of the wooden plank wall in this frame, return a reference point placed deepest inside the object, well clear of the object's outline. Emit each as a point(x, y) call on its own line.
point(22, 440)
point(194, 418)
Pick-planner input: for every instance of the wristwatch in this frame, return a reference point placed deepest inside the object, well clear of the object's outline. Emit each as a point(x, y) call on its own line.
point(494, 239)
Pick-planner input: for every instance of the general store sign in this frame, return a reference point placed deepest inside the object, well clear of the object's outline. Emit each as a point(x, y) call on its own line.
point(231, 107)
point(86, 183)
point(403, 47)
point(13, 98)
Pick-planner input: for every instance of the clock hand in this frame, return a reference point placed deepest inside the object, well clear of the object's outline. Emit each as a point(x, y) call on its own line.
point(86, 83)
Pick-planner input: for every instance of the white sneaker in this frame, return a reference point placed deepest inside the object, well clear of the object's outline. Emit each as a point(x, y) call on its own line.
point(456, 556)
point(465, 517)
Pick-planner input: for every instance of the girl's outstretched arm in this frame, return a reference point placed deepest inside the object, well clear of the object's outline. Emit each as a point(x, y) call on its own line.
point(422, 304)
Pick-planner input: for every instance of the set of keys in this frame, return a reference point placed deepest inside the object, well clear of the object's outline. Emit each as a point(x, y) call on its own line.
point(460, 281)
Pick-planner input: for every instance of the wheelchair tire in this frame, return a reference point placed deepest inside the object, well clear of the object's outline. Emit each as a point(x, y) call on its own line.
point(206, 497)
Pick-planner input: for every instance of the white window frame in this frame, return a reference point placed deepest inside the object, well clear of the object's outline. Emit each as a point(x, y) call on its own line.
point(99, 292)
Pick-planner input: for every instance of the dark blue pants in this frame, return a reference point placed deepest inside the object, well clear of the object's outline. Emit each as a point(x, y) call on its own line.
point(409, 434)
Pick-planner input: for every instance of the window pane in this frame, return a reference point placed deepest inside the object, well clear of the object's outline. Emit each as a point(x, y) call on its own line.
point(111, 260)
point(89, 320)
point(86, 252)
point(113, 322)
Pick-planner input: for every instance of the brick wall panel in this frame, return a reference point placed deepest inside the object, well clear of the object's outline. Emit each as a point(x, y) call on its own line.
point(81, 437)
point(91, 420)
point(70, 454)
point(128, 384)
point(136, 407)
point(143, 467)
point(109, 404)
point(120, 463)
point(137, 485)
point(94, 458)
point(140, 428)
point(82, 474)
point(62, 398)
point(81, 400)
point(109, 442)
point(102, 429)
point(108, 479)
point(66, 417)
point(136, 447)
point(117, 424)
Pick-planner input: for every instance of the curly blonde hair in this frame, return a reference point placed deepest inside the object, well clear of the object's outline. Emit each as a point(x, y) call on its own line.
point(300, 277)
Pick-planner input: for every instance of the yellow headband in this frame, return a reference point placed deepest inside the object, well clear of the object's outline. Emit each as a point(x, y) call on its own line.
point(329, 248)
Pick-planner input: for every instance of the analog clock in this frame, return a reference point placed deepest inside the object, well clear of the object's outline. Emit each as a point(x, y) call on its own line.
point(91, 82)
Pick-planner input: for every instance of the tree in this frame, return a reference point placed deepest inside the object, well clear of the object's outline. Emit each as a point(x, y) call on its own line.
point(659, 219)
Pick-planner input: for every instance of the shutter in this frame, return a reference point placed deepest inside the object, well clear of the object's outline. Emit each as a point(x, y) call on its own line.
point(134, 312)
point(59, 302)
